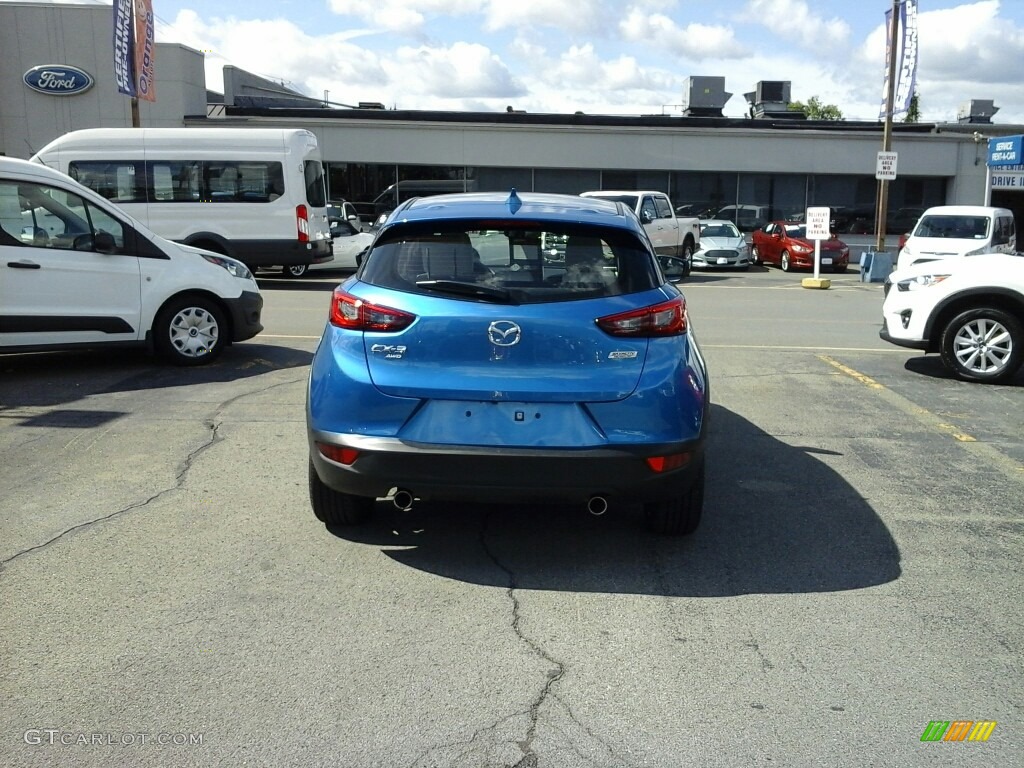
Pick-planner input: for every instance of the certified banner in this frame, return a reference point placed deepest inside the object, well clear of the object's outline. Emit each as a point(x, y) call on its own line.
point(145, 53)
point(124, 47)
point(906, 60)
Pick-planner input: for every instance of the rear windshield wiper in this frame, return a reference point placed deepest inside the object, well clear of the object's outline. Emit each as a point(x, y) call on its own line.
point(485, 292)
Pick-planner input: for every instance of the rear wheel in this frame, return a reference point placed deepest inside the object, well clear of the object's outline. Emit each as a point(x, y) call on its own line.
point(983, 344)
point(336, 509)
point(784, 261)
point(755, 257)
point(679, 516)
point(295, 270)
point(841, 268)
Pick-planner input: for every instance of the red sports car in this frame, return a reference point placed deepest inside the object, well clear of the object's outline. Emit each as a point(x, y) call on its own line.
point(785, 243)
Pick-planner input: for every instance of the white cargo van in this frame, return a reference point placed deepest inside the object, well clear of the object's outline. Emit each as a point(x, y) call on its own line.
point(76, 271)
point(947, 231)
point(255, 194)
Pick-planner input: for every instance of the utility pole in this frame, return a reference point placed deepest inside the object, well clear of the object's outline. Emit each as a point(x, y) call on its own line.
point(883, 184)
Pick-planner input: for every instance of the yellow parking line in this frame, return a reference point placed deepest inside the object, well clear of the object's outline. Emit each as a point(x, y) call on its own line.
point(928, 418)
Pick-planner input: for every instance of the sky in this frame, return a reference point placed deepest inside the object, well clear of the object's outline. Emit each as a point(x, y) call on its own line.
point(616, 57)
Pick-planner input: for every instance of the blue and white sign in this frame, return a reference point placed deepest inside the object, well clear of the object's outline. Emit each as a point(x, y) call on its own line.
point(1005, 150)
point(58, 79)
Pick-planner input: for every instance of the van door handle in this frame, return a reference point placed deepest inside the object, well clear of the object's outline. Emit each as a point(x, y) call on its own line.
point(23, 264)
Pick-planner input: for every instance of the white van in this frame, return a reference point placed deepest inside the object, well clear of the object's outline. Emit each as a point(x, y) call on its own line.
point(257, 195)
point(76, 271)
point(947, 231)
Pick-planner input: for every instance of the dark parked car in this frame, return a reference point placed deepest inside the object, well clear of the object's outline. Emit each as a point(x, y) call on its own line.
point(467, 359)
point(785, 243)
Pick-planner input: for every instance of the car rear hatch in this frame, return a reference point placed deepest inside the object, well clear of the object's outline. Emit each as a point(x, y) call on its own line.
point(464, 350)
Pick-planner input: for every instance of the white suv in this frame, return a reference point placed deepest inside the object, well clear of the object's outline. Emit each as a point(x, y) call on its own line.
point(76, 271)
point(970, 311)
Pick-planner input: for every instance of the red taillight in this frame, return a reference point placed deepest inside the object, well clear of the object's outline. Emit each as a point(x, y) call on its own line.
point(665, 463)
point(357, 315)
point(666, 319)
point(302, 222)
point(338, 454)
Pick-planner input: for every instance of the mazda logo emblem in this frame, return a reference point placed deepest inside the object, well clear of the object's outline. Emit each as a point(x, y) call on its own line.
point(504, 333)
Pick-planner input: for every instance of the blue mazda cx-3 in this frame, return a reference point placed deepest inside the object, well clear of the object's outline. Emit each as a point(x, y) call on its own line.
point(469, 360)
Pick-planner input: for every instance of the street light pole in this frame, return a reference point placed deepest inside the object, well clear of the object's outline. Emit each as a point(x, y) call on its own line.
point(890, 95)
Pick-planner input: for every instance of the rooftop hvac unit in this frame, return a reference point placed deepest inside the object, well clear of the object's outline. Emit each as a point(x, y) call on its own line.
point(704, 96)
point(774, 91)
point(977, 111)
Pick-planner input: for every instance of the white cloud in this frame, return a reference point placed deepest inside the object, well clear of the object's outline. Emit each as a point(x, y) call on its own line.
point(463, 71)
point(402, 15)
point(793, 20)
point(303, 62)
point(695, 42)
point(572, 16)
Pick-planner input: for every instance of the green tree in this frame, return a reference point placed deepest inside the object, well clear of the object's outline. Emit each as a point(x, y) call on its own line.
point(815, 110)
point(914, 112)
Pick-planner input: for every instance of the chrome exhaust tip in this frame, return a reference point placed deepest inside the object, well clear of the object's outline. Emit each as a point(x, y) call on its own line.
point(597, 505)
point(402, 500)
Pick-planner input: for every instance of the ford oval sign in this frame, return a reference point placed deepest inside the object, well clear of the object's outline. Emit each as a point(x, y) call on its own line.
point(58, 79)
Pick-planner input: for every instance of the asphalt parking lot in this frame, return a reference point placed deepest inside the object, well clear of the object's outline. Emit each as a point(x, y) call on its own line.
point(169, 599)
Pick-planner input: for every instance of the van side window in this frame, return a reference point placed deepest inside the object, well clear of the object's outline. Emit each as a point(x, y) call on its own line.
point(120, 181)
point(1003, 231)
point(316, 191)
point(175, 181)
point(48, 217)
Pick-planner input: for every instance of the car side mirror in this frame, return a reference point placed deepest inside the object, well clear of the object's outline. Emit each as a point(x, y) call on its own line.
point(101, 242)
point(646, 217)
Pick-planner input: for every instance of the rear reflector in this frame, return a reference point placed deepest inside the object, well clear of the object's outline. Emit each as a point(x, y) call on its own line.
point(666, 463)
point(665, 319)
point(338, 454)
point(357, 315)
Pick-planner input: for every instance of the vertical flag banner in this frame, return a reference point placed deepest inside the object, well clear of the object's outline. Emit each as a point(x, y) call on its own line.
point(145, 54)
point(906, 59)
point(124, 47)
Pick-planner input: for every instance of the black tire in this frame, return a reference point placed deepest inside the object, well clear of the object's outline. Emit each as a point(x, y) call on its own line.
point(755, 257)
point(190, 330)
point(840, 269)
point(687, 257)
point(679, 516)
point(335, 509)
point(784, 263)
point(983, 344)
point(295, 270)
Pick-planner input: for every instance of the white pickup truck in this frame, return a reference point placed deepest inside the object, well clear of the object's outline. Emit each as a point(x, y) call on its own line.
point(674, 238)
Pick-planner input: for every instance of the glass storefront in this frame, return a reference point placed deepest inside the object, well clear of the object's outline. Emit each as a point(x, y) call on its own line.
point(748, 199)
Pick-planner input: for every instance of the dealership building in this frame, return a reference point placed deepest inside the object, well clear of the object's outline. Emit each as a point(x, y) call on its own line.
point(770, 164)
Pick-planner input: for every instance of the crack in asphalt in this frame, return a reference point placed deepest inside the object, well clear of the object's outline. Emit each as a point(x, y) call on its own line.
point(529, 759)
point(212, 424)
point(179, 481)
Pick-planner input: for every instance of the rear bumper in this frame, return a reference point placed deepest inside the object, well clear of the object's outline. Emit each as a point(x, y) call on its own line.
point(492, 475)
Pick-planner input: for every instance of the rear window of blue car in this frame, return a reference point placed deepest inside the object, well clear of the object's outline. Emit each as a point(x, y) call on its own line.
point(520, 263)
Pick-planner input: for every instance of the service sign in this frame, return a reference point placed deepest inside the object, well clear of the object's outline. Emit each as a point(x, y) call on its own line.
point(1005, 150)
point(58, 79)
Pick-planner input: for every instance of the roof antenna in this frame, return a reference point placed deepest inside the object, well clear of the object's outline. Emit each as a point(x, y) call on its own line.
point(514, 202)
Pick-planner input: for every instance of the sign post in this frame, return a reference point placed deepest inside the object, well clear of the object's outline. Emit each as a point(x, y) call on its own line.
point(819, 227)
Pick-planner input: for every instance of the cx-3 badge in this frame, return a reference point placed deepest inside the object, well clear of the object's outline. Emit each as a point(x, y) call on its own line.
point(504, 333)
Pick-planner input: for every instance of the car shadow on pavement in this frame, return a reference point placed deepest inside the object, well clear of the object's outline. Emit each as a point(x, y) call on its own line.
point(49, 379)
point(777, 519)
point(931, 366)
